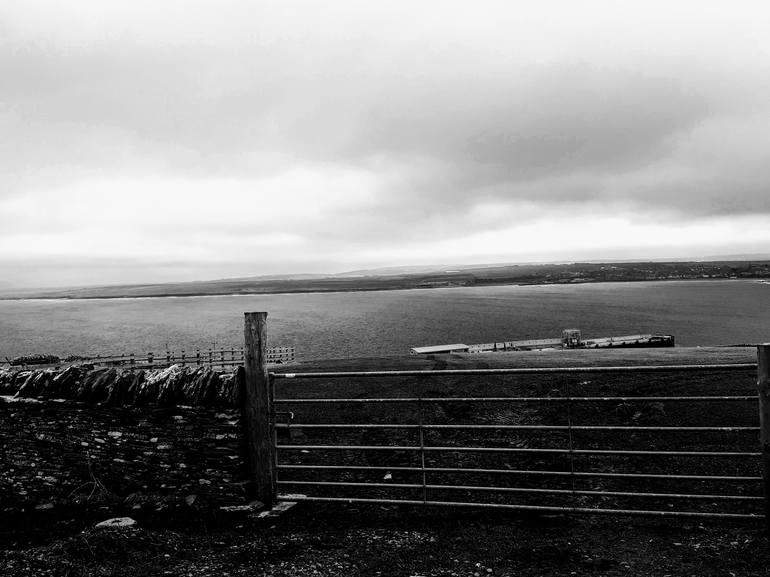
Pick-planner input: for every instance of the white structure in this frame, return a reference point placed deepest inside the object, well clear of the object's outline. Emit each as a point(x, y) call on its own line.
point(439, 349)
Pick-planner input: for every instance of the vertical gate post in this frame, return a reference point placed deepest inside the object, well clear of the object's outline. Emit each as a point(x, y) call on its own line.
point(257, 409)
point(763, 384)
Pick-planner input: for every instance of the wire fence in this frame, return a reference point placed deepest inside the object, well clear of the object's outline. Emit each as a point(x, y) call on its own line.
point(216, 359)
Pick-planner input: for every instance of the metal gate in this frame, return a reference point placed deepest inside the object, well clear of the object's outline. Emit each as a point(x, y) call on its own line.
point(399, 440)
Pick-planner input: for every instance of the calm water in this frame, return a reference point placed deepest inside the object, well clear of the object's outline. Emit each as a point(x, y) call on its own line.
point(335, 325)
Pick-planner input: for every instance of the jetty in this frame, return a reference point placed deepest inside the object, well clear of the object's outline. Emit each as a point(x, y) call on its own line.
point(570, 339)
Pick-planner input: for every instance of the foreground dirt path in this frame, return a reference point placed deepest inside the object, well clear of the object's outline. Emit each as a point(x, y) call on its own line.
point(362, 541)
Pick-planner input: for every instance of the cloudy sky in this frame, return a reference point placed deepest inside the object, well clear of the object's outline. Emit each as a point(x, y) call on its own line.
point(178, 140)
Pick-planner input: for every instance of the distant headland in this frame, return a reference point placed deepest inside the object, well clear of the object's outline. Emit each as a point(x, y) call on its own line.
point(435, 276)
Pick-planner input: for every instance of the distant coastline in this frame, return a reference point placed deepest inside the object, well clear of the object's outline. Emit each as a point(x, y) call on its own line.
point(507, 275)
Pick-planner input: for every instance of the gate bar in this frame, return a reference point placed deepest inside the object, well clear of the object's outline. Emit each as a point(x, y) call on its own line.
point(531, 490)
point(521, 371)
point(518, 399)
point(514, 450)
point(422, 452)
point(522, 472)
point(512, 427)
point(639, 512)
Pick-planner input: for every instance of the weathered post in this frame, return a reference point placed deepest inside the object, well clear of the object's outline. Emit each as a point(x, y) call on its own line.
point(257, 407)
point(763, 384)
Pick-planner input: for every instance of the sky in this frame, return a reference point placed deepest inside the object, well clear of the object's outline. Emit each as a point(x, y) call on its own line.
point(150, 141)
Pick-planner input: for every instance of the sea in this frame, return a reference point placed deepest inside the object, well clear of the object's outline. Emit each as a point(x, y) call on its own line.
point(383, 323)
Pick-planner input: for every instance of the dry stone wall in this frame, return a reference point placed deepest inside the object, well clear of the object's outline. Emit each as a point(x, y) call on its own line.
point(145, 439)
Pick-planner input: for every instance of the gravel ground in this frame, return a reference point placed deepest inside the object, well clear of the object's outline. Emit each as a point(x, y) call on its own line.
point(313, 540)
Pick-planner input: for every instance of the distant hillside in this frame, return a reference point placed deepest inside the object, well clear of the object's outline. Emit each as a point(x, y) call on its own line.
point(433, 276)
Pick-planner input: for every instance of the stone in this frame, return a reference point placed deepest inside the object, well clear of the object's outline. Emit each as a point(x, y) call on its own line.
point(116, 523)
point(163, 375)
point(251, 507)
point(35, 384)
point(65, 383)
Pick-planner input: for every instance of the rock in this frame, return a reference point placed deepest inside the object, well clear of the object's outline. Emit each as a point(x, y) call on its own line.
point(229, 389)
point(6, 382)
point(65, 383)
point(35, 384)
point(251, 507)
point(164, 374)
point(95, 385)
point(134, 498)
point(121, 389)
point(190, 500)
point(116, 522)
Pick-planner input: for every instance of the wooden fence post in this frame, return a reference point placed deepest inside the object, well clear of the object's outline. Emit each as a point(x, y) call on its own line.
point(763, 384)
point(257, 407)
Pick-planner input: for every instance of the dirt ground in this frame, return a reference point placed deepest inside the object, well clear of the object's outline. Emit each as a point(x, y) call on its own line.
point(321, 540)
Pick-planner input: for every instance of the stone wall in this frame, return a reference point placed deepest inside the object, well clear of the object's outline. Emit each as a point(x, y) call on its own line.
point(172, 386)
point(147, 439)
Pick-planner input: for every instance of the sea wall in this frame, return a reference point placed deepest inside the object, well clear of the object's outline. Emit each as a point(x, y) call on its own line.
point(139, 440)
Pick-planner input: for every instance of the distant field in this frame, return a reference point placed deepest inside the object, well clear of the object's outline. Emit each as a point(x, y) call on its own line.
point(567, 358)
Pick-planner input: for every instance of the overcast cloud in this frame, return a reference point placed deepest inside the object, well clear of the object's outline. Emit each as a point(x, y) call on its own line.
point(156, 141)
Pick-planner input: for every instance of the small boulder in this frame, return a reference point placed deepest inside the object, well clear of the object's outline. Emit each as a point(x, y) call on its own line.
point(252, 507)
point(116, 522)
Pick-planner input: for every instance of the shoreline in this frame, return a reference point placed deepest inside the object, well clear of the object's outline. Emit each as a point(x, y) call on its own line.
point(68, 297)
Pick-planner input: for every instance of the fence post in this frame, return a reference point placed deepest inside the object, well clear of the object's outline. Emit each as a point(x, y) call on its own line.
point(257, 407)
point(763, 384)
